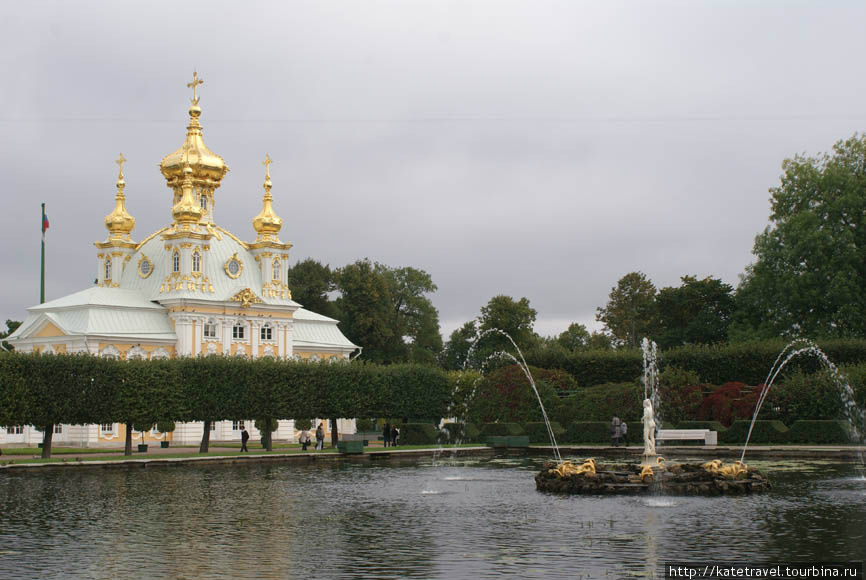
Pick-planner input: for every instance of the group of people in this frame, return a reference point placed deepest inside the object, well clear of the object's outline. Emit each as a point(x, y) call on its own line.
point(306, 438)
point(618, 431)
point(389, 435)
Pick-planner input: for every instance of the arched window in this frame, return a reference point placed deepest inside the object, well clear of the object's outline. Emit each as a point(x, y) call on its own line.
point(110, 352)
point(239, 331)
point(210, 329)
point(159, 353)
point(108, 268)
point(196, 261)
point(277, 272)
point(175, 261)
point(267, 332)
point(204, 202)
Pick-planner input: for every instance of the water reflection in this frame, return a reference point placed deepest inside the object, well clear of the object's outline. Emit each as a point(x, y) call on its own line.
point(454, 519)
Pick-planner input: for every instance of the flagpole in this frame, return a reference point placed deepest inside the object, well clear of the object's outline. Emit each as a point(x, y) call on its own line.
point(42, 277)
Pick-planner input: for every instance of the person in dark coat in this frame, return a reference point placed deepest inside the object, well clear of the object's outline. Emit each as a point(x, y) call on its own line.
point(245, 436)
point(320, 437)
point(386, 434)
point(394, 434)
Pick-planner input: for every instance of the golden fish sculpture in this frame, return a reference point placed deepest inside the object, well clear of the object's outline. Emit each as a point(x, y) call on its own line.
point(566, 468)
point(732, 471)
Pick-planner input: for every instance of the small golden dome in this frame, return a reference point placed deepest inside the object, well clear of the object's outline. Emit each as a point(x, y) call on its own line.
point(119, 223)
point(267, 224)
point(187, 210)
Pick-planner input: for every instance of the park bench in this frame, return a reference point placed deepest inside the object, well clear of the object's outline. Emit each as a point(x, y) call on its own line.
point(710, 438)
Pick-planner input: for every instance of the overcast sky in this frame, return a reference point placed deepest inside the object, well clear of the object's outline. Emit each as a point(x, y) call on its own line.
point(539, 149)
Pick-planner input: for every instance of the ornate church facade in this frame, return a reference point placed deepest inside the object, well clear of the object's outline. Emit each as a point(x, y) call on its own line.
point(191, 288)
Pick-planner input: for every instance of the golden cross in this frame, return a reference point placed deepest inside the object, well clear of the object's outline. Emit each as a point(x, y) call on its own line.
point(193, 85)
point(120, 161)
point(267, 162)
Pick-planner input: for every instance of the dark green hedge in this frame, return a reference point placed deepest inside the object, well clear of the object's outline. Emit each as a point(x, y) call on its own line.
point(82, 389)
point(826, 432)
point(490, 429)
point(588, 432)
point(711, 425)
point(417, 434)
point(764, 432)
point(455, 433)
point(537, 432)
point(718, 364)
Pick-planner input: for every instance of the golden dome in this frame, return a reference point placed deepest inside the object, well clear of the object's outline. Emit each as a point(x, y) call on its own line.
point(187, 210)
point(267, 224)
point(119, 223)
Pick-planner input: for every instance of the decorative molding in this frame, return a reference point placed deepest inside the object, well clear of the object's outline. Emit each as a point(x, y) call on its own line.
point(246, 297)
point(230, 265)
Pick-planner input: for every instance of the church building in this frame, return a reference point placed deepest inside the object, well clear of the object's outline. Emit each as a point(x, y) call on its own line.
point(190, 288)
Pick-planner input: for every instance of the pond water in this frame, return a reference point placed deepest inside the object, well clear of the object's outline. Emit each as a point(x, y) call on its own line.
point(478, 518)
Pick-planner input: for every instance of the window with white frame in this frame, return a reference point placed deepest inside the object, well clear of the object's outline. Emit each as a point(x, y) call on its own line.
point(14, 429)
point(108, 268)
point(277, 270)
point(210, 329)
point(196, 261)
point(213, 425)
point(237, 425)
point(239, 331)
point(175, 261)
point(106, 428)
point(58, 428)
point(267, 332)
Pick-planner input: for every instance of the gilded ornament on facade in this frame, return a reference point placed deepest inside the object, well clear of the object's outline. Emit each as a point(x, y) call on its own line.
point(145, 266)
point(234, 266)
point(246, 297)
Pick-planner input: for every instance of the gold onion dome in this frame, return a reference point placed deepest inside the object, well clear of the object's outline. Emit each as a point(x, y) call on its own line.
point(119, 223)
point(208, 168)
point(267, 224)
point(186, 210)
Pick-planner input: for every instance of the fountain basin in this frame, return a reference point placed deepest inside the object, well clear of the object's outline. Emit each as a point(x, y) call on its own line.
point(674, 479)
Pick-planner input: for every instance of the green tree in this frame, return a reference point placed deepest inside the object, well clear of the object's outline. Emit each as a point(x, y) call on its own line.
point(809, 275)
point(516, 318)
point(387, 311)
point(697, 312)
point(456, 350)
point(630, 311)
point(575, 337)
point(11, 326)
point(311, 282)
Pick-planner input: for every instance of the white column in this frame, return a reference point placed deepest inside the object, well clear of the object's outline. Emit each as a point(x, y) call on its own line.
point(255, 330)
point(290, 343)
point(226, 329)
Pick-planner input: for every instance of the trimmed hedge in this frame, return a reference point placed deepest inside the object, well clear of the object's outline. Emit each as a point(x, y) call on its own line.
point(711, 425)
point(716, 364)
point(588, 432)
point(417, 434)
point(537, 432)
point(827, 432)
point(764, 432)
point(454, 433)
point(502, 429)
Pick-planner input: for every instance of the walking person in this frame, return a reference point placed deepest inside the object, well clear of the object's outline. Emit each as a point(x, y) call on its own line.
point(624, 428)
point(245, 436)
point(320, 437)
point(386, 434)
point(394, 434)
point(304, 439)
point(615, 431)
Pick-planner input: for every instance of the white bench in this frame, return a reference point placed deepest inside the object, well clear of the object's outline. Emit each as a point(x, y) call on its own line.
point(710, 438)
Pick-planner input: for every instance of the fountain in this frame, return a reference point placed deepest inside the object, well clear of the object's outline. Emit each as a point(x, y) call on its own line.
point(652, 475)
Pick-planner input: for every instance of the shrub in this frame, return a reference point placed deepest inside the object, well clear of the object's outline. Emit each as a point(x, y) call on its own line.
point(681, 394)
point(492, 429)
point(364, 425)
point(602, 402)
point(165, 426)
point(728, 403)
point(824, 432)
point(505, 395)
point(588, 432)
point(266, 425)
point(764, 432)
point(711, 425)
point(417, 434)
point(537, 431)
point(303, 424)
point(803, 397)
point(453, 433)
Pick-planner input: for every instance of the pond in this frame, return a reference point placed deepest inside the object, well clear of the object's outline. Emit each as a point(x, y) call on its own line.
point(479, 518)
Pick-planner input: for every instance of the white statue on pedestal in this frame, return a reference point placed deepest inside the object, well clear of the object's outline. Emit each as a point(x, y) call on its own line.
point(649, 429)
